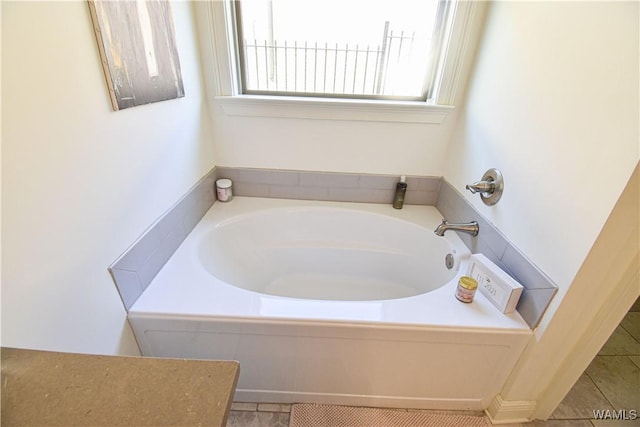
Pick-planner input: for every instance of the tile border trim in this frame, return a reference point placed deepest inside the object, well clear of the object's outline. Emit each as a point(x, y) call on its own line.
point(538, 290)
point(138, 265)
point(329, 186)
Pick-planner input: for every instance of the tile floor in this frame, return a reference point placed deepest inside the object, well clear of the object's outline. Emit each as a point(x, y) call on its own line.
point(612, 381)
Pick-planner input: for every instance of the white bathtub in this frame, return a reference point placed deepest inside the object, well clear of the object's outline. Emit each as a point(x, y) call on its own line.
point(329, 302)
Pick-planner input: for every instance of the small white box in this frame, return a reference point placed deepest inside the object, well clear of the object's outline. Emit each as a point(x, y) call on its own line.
point(500, 288)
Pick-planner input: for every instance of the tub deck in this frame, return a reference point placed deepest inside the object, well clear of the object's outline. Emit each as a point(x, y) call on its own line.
point(183, 288)
point(428, 351)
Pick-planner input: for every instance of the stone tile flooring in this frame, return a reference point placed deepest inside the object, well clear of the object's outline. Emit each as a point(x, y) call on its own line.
point(611, 382)
point(258, 415)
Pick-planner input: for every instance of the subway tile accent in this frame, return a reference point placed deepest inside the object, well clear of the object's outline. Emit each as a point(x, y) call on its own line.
point(538, 288)
point(138, 265)
point(330, 186)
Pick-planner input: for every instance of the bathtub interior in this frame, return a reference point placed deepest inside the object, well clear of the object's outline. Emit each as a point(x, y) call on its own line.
point(326, 253)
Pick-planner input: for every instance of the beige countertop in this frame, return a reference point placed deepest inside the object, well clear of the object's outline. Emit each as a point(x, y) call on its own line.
point(42, 388)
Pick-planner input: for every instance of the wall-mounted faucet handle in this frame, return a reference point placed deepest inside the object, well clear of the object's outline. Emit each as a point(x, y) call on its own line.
point(482, 187)
point(490, 187)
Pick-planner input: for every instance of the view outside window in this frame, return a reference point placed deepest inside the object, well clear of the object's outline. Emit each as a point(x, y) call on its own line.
point(349, 48)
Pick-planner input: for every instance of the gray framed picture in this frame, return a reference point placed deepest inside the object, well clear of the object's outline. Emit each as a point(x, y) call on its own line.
point(136, 40)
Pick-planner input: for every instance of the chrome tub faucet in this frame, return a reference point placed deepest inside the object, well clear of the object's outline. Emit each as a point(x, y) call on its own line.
point(470, 228)
point(490, 188)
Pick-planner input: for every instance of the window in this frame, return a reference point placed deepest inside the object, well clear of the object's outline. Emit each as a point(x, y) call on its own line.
point(351, 49)
point(412, 79)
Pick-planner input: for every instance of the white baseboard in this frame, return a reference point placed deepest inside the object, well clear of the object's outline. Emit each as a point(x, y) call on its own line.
point(506, 412)
point(272, 396)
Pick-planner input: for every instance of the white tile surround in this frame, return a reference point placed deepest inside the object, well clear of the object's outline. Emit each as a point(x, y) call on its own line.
point(137, 266)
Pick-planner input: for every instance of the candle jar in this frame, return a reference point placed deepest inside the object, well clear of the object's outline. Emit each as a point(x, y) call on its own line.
point(224, 190)
point(466, 289)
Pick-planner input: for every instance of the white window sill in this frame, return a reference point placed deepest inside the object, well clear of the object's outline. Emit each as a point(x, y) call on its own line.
point(334, 109)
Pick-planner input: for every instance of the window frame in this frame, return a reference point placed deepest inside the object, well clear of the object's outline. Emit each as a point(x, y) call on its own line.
point(217, 37)
point(428, 79)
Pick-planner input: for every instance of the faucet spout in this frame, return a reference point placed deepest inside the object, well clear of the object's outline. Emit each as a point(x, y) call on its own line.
point(471, 228)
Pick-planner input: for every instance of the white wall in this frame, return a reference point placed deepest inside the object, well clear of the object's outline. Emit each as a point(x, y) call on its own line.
point(331, 145)
point(81, 182)
point(553, 103)
point(600, 295)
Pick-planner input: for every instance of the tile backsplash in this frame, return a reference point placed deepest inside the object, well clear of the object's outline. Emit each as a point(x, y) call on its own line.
point(137, 266)
point(333, 186)
point(538, 288)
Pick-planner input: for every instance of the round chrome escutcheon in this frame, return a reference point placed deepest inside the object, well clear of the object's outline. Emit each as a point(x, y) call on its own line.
point(448, 261)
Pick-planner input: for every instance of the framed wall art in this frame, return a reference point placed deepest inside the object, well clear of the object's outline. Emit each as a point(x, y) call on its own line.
point(136, 40)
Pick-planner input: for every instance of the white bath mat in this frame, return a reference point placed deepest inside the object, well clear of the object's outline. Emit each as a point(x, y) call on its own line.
point(311, 415)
